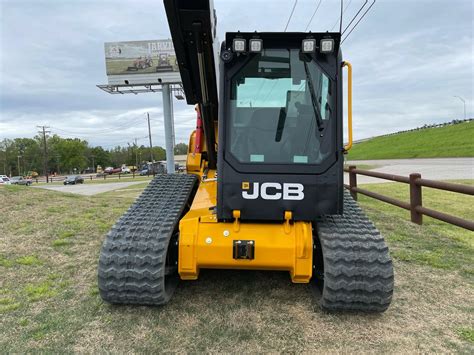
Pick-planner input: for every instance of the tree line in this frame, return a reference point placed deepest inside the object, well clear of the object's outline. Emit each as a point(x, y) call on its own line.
point(23, 156)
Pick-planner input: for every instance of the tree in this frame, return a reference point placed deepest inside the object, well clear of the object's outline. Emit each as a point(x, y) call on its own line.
point(67, 154)
point(99, 156)
point(181, 149)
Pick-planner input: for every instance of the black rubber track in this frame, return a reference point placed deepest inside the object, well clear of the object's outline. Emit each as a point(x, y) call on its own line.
point(133, 266)
point(357, 273)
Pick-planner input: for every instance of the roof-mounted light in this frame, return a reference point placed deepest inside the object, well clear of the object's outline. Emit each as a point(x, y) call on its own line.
point(326, 45)
point(238, 45)
point(308, 45)
point(255, 45)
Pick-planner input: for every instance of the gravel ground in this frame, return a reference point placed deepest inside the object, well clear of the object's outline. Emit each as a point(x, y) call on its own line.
point(89, 189)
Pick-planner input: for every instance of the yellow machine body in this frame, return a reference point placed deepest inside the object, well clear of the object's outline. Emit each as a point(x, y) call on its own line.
point(205, 242)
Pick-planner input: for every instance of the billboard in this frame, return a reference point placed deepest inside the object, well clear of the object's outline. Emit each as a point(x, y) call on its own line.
point(141, 62)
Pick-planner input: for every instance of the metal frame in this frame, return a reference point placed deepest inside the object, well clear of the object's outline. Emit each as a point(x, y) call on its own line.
point(115, 89)
point(167, 90)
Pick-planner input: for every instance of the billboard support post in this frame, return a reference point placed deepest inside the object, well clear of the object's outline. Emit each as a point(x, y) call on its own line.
point(168, 118)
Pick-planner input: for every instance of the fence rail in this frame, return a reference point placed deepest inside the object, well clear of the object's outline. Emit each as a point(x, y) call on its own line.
point(92, 177)
point(415, 206)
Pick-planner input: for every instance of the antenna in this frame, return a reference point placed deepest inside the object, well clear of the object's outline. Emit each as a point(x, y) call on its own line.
point(342, 12)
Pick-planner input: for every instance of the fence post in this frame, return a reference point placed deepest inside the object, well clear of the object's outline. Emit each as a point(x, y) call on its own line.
point(91, 177)
point(352, 181)
point(119, 176)
point(105, 175)
point(415, 199)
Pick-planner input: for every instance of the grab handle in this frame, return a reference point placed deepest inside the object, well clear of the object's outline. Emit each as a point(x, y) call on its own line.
point(348, 146)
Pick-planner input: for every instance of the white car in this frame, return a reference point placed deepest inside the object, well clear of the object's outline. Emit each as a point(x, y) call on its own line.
point(125, 170)
point(4, 180)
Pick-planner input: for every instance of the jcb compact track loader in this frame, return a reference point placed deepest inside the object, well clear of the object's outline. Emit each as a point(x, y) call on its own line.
point(264, 184)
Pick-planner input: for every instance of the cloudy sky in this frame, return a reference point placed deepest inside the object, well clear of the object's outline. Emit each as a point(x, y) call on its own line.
point(410, 58)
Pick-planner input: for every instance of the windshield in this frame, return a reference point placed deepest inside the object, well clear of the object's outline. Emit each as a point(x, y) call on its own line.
point(280, 105)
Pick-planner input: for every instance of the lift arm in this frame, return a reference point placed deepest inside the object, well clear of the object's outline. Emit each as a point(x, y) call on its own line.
point(192, 25)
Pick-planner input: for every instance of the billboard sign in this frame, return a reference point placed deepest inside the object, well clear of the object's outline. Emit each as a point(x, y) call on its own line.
point(141, 62)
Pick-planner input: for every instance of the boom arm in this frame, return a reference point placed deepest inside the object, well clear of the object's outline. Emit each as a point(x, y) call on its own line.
point(192, 25)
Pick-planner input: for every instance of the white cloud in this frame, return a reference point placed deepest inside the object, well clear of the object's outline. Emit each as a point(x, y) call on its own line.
point(410, 58)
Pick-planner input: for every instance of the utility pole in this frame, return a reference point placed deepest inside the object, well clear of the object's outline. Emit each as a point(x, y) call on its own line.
point(45, 156)
point(136, 153)
point(464, 103)
point(93, 163)
point(18, 157)
point(149, 136)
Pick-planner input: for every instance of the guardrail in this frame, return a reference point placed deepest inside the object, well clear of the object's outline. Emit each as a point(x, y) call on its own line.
point(415, 206)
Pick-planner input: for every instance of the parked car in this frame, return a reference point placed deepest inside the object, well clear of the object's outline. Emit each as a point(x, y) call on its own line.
point(19, 180)
point(125, 169)
point(144, 171)
point(73, 180)
point(111, 170)
point(4, 180)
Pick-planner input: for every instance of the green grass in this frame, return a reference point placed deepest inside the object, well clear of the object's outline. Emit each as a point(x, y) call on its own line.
point(436, 244)
point(41, 290)
point(29, 260)
point(449, 141)
point(467, 334)
point(50, 302)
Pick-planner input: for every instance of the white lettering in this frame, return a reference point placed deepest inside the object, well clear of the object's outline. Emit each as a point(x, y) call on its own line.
point(293, 191)
point(267, 196)
point(252, 196)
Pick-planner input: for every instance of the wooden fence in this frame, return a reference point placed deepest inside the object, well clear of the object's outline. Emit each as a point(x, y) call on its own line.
point(415, 205)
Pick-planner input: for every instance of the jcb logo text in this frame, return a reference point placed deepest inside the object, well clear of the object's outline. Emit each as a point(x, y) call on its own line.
point(273, 191)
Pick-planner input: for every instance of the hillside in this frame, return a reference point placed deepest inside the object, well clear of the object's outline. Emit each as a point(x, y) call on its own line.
point(449, 141)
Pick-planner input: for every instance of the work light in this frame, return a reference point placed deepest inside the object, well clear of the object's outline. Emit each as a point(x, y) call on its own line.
point(326, 45)
point(255, 45)
point(238, 45)
point(308, 46)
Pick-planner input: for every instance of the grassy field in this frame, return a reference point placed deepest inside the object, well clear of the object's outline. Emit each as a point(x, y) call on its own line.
point(449, 141)
point(49, 301)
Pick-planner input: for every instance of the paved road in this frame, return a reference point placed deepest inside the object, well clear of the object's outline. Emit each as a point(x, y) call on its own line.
point(89, 189)
point(435, 169)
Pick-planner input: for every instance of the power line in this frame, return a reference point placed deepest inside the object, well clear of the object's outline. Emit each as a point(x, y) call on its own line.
point(312, 16)
point(355, 16)
point(103, 131)
point(353, 28)
point(291, 15)
point(339, 19)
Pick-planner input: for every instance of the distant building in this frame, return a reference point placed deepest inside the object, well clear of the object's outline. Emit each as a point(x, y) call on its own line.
point(180, 159)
